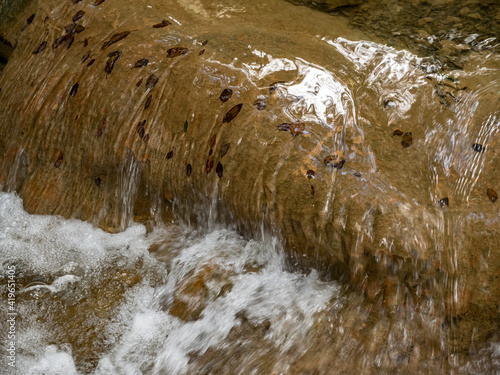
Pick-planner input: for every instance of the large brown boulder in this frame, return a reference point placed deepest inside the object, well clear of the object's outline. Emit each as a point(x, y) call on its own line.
point(270, 117)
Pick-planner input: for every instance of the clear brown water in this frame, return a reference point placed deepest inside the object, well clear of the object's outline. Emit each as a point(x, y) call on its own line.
point(184, 298)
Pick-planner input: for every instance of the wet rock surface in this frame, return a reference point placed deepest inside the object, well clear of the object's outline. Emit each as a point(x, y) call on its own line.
point(377, 206)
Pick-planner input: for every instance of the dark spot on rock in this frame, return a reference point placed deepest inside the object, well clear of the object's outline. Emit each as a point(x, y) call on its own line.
point(115, 53)
point(58, 41)
point(70, 28)
point(115, 38)
point(176, 51)
point(74, 90)
point(443, 201)
point(213, 140)
point(70, 38)
point(232, 113)
point(201, 52)
point(224, 149)
point(40, 48)
point(312, 190)
point(189, 169)
point(219, 170)
point(407, 139)
point(274, 86)
point(138, 83)
point(204, 43)
point(113, 57)
point(209, 165)
point(146, 138)
point(101, 129)
point(148, 101)
point(99, 2)
point(397, 132)
point(85, 42)
point(310, 173)
point(79, 29)
point(186, 126)
point(210, 152)
point(225, 95)
point(141, 63)
point(86, 56)
point(170, 155)
point(389, 104)
point(141, 128)
point(339, 165)
point(91, 62)
point(260, 104)
point(151, 82)
point(30, 19)
point(98, 181)
point(285, 127)
point(162, 24)
point(477, 147)
point(297, 128)
point(78, 15)
point(59, 160)
point(492, 194)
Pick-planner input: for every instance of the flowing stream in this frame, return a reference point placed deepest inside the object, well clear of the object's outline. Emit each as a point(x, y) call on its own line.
point(196, 294)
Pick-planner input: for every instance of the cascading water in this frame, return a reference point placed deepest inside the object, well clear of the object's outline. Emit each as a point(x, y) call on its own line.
point(397, 149)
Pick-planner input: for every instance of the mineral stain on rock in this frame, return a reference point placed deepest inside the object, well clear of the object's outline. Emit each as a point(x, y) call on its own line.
point(74, 90)
point(225, 95)
point(407, 139)
point(232, 113)
point(115, 38)
point(492, 195)
point(176, 51)
point(40, 48)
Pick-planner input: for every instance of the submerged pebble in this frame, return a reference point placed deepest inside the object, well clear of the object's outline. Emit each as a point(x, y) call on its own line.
point(224, 149)
point(78, 15)
point(219, 169)
point(115, 38)
point(148, 101)
point(397, 132)
point(151, 81)
point(170, 154)
point(189, 170)
point(310, 173)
